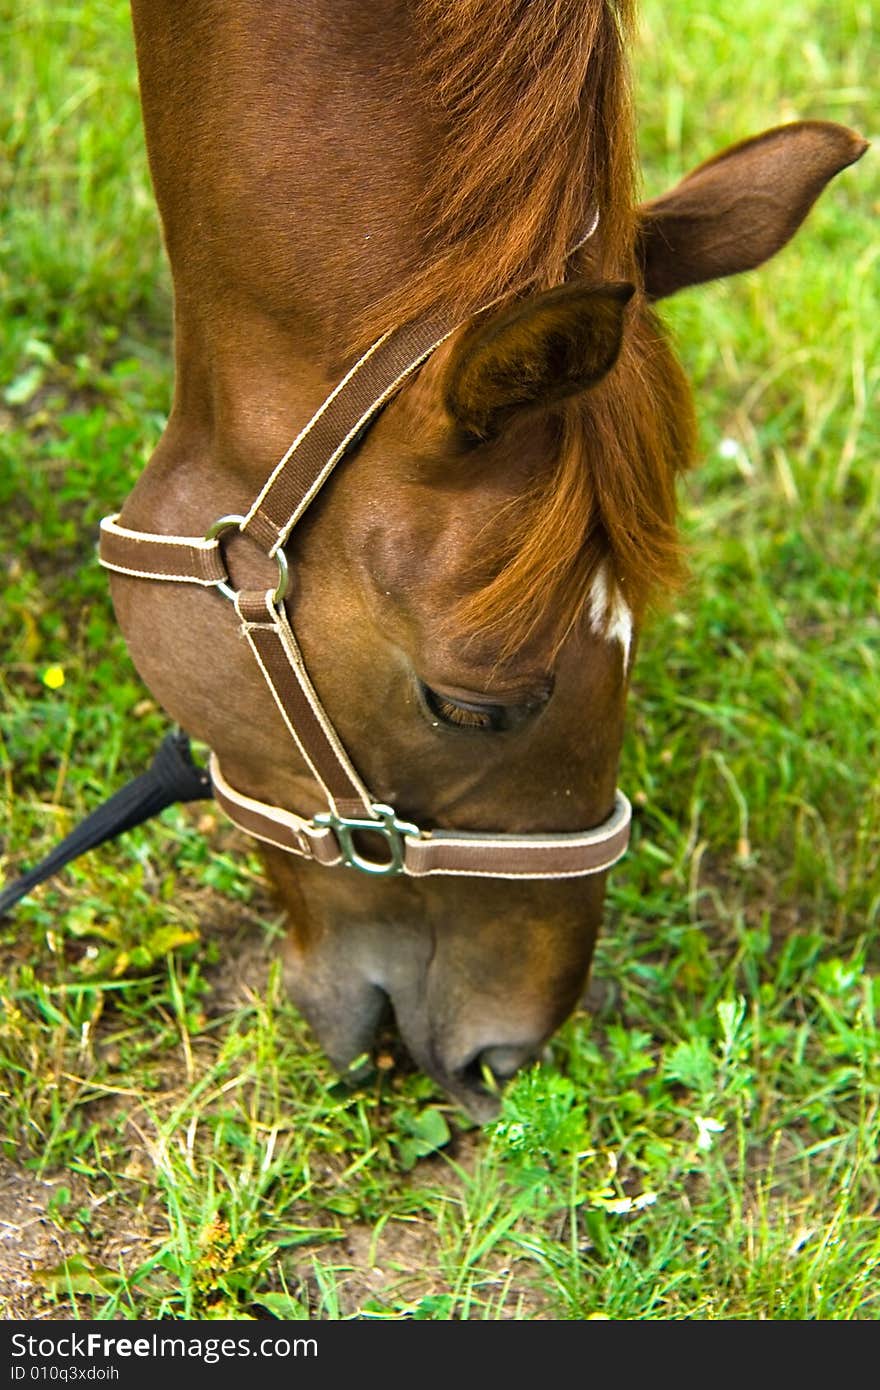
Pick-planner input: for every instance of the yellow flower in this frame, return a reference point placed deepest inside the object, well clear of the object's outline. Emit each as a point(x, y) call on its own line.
point(53, 677)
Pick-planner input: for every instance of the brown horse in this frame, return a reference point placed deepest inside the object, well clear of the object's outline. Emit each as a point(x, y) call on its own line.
point(469, 584)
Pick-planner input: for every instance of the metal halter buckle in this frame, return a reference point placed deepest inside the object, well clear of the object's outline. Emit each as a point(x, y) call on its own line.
point(235, 523)
point(386, 824)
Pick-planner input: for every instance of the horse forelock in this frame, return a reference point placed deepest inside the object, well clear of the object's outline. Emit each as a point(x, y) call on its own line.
point(606, 511)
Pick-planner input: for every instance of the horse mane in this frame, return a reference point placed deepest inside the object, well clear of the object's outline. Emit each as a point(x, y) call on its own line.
point(533, 102)
point(534, 133)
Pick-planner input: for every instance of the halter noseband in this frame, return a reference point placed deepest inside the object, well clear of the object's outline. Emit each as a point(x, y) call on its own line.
point(329, 837)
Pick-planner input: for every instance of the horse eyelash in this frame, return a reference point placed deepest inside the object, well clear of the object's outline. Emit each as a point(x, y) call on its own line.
point(460, 715)
point(462, 718)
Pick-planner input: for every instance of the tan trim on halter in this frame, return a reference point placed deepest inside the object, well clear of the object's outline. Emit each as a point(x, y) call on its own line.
point(347, 411)
point(274, 826)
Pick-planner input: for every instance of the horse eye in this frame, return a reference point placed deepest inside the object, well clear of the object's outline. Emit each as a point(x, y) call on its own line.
point(471, 714)
point(460, 714)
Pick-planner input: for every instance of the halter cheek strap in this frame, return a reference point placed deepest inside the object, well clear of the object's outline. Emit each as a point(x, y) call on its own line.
point(354, 826)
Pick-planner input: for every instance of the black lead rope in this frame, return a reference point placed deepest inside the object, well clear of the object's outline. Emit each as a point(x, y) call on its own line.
point(171, 777)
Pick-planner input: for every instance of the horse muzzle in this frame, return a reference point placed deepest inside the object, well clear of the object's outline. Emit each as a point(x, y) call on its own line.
point(474, 993)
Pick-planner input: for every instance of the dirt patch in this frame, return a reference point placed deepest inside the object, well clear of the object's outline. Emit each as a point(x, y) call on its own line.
point(29, 1241)
point(35, 1243)
point(404, 1263)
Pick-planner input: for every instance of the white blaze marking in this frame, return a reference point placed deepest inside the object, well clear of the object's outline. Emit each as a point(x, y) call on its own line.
point(609, 614)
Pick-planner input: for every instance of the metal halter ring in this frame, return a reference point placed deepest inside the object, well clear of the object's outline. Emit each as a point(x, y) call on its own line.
point(386, 825)
point(235, 523)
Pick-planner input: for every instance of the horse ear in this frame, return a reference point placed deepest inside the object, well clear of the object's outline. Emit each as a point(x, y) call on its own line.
point(537, 352)
point(737, 210)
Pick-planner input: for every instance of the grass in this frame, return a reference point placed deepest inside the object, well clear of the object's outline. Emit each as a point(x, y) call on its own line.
point(706, 1145)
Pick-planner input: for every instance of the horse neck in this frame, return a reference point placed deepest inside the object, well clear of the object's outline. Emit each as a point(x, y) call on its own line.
point(276, 242)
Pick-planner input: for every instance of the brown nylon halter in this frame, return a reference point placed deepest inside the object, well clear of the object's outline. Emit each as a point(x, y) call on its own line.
point(329, 838)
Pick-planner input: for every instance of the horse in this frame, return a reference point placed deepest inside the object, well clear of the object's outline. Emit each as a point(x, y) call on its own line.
point(452, 600)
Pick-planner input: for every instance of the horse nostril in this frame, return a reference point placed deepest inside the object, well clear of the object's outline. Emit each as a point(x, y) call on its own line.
point(504, 1061)
point(501, 1061)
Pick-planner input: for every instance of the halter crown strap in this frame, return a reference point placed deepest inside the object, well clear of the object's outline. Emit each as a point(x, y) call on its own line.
point(347, 411)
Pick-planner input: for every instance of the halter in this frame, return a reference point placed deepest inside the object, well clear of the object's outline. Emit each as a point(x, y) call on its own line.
point(329, 837)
